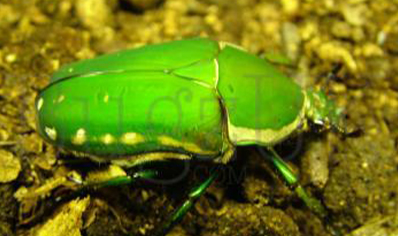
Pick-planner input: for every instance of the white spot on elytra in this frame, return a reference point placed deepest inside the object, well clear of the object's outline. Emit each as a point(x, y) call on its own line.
point(40, 104)
point(80, 137)
point(51, 133)
point(217, 72)
point(132, 138)
point(106, 98)
point(60, 98)
point(169, 141)
point(107, 139)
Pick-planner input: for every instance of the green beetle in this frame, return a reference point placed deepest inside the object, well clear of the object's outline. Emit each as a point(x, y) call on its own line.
point(187, 99)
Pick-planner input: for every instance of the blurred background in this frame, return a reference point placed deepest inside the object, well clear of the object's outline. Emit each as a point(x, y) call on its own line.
point(355, 177)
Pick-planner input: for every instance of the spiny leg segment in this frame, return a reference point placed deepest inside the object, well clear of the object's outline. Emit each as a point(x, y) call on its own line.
point(193, 196)
point(291, 179)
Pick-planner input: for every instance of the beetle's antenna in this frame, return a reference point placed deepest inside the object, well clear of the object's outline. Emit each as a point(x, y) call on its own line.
point(345, 132)
point(332, 76)
point(349, 132)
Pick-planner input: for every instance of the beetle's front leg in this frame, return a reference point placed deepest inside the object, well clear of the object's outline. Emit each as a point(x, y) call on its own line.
point(291, 179)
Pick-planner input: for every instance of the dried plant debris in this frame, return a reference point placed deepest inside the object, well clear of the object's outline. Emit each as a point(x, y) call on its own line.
point(387, 225)
point(67, 221)
point(10, 166)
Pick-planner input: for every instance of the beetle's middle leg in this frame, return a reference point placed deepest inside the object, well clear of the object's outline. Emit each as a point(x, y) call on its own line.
point(193, 196)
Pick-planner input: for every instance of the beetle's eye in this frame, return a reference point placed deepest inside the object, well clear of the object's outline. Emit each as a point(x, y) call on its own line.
point(319, 122)
point(316, 127)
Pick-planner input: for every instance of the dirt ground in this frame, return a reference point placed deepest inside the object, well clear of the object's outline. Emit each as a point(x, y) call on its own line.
point(356, 178)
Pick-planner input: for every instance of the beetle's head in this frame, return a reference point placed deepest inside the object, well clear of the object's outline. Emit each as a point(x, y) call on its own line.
point(323, 112)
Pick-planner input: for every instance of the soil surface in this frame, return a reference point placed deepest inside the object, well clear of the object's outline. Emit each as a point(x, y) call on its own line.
point(356, 177)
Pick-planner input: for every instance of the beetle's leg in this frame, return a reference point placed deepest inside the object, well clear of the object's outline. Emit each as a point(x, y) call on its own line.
point(122, 180)
point(85, 186)
point(194, 194)
point(314, 204)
